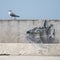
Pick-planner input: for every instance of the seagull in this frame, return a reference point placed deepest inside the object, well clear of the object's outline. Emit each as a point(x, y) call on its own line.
point(12, 14)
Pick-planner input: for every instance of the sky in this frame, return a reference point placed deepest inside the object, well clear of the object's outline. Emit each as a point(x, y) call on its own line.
point(31, 9)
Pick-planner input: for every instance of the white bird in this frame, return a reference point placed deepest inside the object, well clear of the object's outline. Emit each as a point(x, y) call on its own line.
point(12, 14)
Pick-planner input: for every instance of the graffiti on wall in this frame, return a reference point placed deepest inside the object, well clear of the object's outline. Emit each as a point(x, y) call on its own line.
point(44, 34)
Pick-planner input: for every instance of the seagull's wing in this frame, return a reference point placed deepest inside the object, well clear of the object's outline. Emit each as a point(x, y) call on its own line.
point(14, 15)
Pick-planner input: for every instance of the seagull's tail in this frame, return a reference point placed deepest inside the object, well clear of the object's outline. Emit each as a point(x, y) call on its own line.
point(17, 16)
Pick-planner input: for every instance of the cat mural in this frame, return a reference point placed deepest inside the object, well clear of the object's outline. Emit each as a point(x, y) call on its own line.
point(44, 34)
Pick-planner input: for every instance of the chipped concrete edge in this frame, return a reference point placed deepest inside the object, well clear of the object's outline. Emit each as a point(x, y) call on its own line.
point(29, 49)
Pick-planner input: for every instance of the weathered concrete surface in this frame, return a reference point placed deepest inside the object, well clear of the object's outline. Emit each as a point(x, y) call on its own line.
point(14, 31)
point(29, 49)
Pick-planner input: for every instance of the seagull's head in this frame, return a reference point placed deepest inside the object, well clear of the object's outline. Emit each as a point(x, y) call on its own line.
point(9, 12)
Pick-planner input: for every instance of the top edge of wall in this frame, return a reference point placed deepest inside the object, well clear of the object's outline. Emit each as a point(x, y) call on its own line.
point(27, 19)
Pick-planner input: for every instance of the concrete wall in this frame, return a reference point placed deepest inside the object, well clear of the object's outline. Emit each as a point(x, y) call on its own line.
point(14, 31)
point(13, 39)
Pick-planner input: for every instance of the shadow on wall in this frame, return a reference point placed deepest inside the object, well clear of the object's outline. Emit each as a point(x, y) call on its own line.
point(44, 34)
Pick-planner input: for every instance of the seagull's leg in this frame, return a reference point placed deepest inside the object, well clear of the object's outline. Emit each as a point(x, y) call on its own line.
point(14, 18)
point(11, 18)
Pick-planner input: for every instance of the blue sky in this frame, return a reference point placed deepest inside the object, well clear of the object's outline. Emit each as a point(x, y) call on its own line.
point(31, 9)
